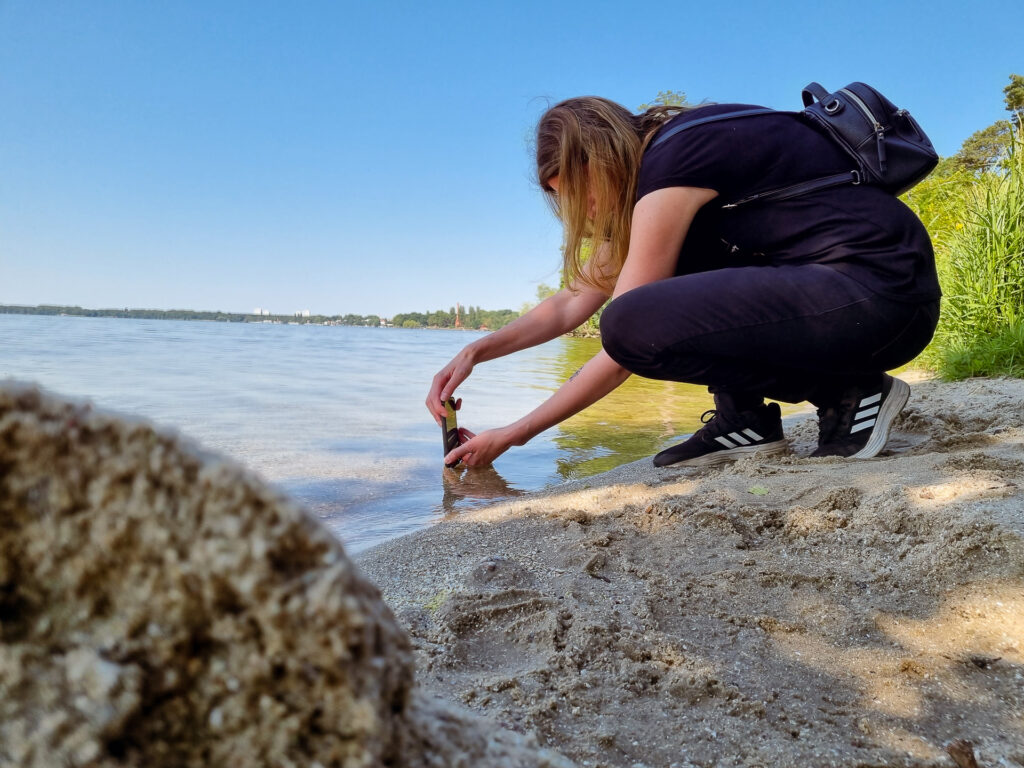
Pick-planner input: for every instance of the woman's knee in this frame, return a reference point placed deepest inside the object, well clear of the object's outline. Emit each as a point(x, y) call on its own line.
point(622, 336)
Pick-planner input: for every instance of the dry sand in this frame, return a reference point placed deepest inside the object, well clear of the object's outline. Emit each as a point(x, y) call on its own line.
point(778, 612)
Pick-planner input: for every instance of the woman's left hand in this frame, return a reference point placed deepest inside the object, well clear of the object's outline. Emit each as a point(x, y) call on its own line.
point(480, 450)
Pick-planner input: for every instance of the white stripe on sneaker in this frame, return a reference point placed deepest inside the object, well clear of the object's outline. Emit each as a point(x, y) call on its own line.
point(893, 403)
point(870, 400)
point(739, 438)
point(865, 413)
point(725, 442)
point(752, 434)
point(862, 425)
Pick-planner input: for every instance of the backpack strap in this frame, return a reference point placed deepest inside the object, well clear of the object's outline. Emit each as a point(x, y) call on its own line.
point(814, 91)
point(712, 119)
point(811, 91)
point(849, 177)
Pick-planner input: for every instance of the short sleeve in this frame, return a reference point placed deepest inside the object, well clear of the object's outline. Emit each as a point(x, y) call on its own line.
point(705, 156)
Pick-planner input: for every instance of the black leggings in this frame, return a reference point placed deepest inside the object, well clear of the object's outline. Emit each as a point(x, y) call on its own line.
point(791, 333)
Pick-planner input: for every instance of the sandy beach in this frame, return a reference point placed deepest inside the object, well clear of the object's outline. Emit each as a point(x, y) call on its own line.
point(784, 611)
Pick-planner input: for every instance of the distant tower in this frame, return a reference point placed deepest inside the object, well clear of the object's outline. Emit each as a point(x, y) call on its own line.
point(458, 320)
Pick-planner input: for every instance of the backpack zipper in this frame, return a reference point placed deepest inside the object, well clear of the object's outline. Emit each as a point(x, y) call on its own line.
point(879, 130)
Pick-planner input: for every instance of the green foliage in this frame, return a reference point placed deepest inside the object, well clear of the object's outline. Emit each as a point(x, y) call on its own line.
point(190, 314)
point(1014, 96)
point(989, 148)
point(998, 355)
point(419, 318)
point(984, 149)
point(666, 99)
point(469, 317)
point(938, 199)
point(980, 256)
point(137, 314)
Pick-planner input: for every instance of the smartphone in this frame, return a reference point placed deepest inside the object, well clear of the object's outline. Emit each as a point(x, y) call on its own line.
point(450, 429)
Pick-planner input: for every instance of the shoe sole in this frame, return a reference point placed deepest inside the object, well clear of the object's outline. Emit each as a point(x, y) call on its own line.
point(732, 454)
point(891, 407)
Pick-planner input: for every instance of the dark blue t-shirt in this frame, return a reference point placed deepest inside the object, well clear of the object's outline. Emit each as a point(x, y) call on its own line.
point(860, 230)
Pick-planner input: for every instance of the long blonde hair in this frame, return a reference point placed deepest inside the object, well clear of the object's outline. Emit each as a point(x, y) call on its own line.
point(594, 146)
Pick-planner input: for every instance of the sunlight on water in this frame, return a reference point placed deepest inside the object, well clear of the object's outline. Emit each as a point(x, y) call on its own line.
point(335, 416)
point(636, 420)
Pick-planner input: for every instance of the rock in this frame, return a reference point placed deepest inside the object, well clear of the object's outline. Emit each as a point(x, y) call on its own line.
point(161, 607)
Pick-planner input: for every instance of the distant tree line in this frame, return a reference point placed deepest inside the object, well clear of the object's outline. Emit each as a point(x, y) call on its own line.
point(141, 314)
point(371, 320)
point(179, 314)
point(469, 317)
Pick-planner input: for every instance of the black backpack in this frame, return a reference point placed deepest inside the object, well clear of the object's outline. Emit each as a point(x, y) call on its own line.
point(887, 145)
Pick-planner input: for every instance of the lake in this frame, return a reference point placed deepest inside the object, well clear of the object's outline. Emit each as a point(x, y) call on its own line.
point(334, 416)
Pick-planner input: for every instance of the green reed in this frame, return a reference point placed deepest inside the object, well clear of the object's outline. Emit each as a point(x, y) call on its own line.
point(977, 224)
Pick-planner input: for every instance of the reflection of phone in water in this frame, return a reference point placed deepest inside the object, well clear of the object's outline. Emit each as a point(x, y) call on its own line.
point(465, 487)
point(450, 430)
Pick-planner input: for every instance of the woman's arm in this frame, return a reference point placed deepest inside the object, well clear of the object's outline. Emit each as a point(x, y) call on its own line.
point(599, 376)
point(557, 314)
point(660, 222)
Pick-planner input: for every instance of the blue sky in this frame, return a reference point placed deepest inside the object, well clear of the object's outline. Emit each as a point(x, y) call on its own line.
point(374, 157)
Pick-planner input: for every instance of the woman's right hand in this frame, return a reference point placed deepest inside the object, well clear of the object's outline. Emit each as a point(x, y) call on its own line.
point(444, 384)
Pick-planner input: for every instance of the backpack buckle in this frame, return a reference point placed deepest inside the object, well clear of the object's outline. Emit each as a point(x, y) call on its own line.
point(857, 178)
point(833, 106)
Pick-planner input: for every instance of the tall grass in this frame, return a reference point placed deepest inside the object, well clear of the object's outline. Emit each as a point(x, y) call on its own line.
point(978, 229)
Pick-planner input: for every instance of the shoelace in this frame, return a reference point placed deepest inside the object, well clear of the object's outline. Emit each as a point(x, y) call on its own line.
point(715, 426)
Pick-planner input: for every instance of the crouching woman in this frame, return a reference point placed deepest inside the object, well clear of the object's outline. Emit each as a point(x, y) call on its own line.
point(808, 298)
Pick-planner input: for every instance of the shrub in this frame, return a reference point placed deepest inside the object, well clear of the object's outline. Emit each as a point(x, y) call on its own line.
point(980, 254)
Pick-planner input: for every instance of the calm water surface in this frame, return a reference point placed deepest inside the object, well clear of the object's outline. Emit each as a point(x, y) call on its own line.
point(334, 415)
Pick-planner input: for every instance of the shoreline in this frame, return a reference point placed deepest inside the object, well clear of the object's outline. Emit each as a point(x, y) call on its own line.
point(779, 612)
point(218, 316)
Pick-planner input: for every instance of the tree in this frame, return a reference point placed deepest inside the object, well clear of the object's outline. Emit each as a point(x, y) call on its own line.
point(666, 99)
point(441, 319)
point(988, 148)
point(1014, 96)
point(984, 149)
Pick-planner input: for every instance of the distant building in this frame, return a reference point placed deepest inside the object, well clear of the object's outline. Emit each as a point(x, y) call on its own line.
point(257, 311)
point(302, 313)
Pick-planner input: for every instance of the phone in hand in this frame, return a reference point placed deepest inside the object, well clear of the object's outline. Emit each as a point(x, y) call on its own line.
point(450, 430)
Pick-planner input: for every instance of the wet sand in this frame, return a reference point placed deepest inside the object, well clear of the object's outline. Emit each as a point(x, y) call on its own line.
point(783, 611)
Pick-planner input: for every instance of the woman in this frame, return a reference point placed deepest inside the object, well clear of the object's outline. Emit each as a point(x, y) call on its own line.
point(810, 298)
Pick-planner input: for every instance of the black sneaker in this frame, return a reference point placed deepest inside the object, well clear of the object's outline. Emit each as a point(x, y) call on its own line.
point(728, 437)
point(858, 425)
